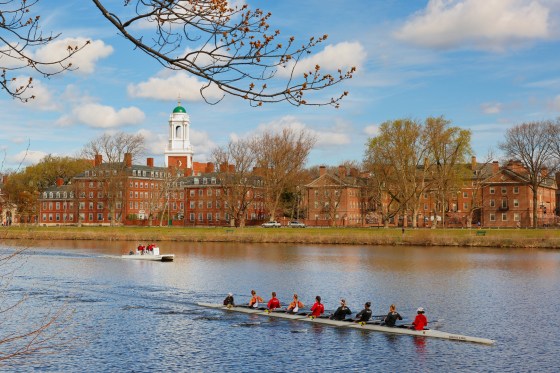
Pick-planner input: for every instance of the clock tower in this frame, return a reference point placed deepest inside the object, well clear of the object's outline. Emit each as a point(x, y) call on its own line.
point(179, 151)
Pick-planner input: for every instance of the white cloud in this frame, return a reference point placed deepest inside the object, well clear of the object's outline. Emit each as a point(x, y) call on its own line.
point(483, 24)
point(372, 130)
point(100, 116)
point(165, 87)
point(343, 55)
point(27, 157)
point(43, 99)
point(492, 108)
point(326, 137)
point(84, 60)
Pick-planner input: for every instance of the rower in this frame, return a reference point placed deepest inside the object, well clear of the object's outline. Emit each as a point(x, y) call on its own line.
point(365, 314)
point(317, 309)
point(255, 299)
point(295, 305)
point(420, 322)
point(273, 303)
point(228, 301)
point(392, 316)
point(341, 312)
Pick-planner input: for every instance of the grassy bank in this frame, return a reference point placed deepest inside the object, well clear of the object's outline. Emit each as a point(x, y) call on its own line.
point(529, 238)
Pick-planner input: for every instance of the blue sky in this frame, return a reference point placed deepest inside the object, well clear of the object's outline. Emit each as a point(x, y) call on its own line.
point(484, 64)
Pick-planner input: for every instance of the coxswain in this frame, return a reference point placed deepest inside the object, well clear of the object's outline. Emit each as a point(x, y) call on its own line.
point(341, 312)
point(295, 305)
point(420, 322)
point(228, 301)
point(392, 316)
point(317, 309)
point(365, 314)
point(255, 299)
point(273, 303)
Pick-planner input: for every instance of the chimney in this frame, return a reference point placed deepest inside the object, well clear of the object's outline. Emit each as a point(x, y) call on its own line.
point(342, 171)
point(223, 167)
point(231, 168)
point(209, 167)
point(473, 163)
point(495, 167)
point(98, 160)
point(60, 181)
point(322, 170)
point(128, 159)
point(354, 172)
point(150, 162)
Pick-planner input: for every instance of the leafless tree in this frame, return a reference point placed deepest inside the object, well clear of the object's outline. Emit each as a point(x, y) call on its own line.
point(280, 161)
point(232, 49)
point(112, 174)
point(535, 145)
point(20, 35)
point(240, 186)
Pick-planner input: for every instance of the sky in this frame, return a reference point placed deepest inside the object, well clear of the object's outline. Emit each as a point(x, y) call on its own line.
point(485, 65)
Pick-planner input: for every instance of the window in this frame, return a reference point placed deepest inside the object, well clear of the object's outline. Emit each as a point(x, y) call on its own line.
point(217, 193)
point(200, 193)
point(425, 207)
point(71, 217)
point(209, 192)
point(58, 205)
point(90, 216)
point(195, 180)
point(192, 205)
point(209, 204)
point(492, 203)
point(90, 194)
point(504, 204)
point(217, 216)
point(504, 216)
point(99, 217)
point(200, 204)
point(191, 216)
point(516, 190)
point(504, 190)
point(492, 190)
point(465, 206)
point(209, 217)
point(50, 217)
point(57, 217)
point(82, 205)
point(99, 194)
point(465, 195)
point(100, 205)
point(492, 217)
point(515, 203)
point(191, 193)
point(91, 205)
point(200, 216)
point(516, 217)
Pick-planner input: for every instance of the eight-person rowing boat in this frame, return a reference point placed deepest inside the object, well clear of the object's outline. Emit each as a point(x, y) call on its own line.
point(363, 319)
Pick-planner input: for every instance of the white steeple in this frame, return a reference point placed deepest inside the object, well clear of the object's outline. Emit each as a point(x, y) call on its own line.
point(179, 151)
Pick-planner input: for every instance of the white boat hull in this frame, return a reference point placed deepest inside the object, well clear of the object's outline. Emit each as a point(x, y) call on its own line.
point(364, 326)
point(150, 257)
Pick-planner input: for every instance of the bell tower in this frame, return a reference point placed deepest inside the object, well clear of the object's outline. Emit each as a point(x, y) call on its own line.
point(179, 151)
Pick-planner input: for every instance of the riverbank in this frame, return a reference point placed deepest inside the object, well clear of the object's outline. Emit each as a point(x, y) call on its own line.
point(518, 238)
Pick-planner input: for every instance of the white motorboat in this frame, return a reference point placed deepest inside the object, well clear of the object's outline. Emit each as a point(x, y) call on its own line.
point(152, 254)
point(349, 324)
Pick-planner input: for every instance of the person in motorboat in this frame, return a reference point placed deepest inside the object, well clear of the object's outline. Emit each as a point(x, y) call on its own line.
point(273, 303)
point(365, 314)
point(295, 305)
point(341, 312)
point(420, 322)
point(317, 309)
point(255, 300)
point(392, 316)
point(228, 301)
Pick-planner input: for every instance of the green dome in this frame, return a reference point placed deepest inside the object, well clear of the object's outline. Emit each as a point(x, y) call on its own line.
point(179, 109)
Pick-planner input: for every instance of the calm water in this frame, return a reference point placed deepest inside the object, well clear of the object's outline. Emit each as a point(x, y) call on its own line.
point(142, 316)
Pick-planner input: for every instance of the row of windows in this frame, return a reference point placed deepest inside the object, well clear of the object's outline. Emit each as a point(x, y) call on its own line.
point(504, 216)
point(504, 203)
point(504, 190)
point(57, 217)
point(58, 205)
point(58, 195)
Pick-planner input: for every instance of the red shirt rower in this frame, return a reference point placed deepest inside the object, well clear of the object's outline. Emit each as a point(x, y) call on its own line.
point(273, 303)
point(317, 309)
point(420, 321)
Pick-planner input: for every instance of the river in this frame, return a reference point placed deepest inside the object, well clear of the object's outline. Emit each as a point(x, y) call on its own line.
point(131, 316)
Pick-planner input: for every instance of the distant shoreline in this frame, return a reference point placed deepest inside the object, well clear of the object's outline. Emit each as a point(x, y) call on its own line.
point(501, 238)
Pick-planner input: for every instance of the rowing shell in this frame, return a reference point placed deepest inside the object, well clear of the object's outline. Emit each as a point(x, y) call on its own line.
point(364, 326)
